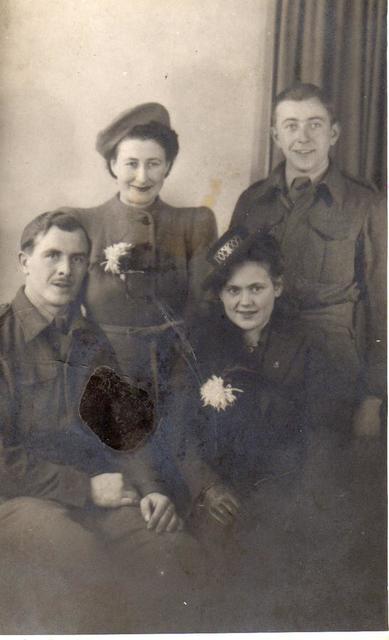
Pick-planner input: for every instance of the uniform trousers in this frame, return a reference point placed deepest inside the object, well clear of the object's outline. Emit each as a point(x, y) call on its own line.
point(70, 570)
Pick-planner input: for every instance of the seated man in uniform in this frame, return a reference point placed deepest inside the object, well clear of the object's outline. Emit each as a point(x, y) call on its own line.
point(79, 552)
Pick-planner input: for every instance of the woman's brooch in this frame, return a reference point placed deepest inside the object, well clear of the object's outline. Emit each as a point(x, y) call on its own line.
point(217, 395)
point(118, 259)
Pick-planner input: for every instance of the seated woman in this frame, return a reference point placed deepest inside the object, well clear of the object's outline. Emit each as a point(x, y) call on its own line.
point(252, 390)
point(241, 415)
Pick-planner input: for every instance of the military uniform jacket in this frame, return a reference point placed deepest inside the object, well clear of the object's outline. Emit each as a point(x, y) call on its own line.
point(174, 241)
point(334, 244)
point(45, 449)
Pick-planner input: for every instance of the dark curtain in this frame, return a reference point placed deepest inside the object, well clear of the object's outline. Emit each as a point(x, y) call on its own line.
point(341, 46)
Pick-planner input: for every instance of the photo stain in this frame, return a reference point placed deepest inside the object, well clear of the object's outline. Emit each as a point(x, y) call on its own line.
point(211, 198)
point(119, 413)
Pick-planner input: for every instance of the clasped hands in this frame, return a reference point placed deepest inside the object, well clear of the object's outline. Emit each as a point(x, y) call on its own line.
point(107, 491)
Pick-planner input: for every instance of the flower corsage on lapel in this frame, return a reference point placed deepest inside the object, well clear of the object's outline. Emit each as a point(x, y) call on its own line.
point(120, 259)
point(216, 394)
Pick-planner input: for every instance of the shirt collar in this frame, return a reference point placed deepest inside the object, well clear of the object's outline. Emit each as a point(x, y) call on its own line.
point(37, 304)
point(331, 185)
point(33, 322)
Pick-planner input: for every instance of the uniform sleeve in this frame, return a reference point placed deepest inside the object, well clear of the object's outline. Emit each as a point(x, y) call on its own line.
point(139, 470)
point(374, 275)
point(239, 213)
point(200, 237)
point(18, 474)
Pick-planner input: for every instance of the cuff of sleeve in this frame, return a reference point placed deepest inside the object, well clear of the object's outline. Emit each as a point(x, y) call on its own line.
point(152, 487)
point(56, 482)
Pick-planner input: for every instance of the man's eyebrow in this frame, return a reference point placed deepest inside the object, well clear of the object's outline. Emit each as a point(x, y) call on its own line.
point(298, 119)
point(79, 253)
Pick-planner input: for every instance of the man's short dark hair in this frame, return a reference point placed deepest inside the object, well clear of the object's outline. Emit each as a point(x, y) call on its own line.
point(304, 91)
point(42, 223)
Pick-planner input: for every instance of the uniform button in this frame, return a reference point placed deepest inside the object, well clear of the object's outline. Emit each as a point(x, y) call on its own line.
point(146, 220)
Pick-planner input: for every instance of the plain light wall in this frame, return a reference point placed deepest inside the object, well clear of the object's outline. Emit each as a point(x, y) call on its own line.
point(70, 66)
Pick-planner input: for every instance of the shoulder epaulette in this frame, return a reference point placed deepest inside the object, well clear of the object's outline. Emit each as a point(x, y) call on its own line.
point(255, 185)
point(362, 182)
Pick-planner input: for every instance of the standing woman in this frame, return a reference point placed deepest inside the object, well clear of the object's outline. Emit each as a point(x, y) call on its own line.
point(148, 258)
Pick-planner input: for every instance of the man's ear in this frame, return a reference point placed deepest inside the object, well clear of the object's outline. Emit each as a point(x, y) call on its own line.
point(274, 135)
point(335, 133)
point(24, 260)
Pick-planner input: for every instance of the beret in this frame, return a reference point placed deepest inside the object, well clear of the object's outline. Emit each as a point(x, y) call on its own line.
point(109, 137)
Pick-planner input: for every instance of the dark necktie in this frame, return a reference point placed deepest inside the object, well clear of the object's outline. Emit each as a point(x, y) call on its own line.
point(61, 324)
point(299, 188)
point(300, 199)
point(59, 337)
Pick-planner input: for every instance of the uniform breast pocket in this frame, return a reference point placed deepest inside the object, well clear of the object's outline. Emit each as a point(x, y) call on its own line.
point(338, 261)
point(329, 248)
point(40, 402)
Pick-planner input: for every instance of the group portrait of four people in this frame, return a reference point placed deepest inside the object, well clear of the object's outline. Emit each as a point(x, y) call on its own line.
point(192, 427)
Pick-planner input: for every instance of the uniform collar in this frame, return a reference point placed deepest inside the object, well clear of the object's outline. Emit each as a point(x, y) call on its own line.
point(274, 184)
point(330, 187)
point(36, 303)
point(33, 322)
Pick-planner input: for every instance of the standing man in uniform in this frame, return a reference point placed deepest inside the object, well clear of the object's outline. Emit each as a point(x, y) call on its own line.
point(79, 551)
point(332, 230)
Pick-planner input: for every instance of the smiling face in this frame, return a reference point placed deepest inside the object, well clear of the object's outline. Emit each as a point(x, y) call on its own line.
point(248, 296)
point(304, 133)
point(56, 267)
point(140, 167)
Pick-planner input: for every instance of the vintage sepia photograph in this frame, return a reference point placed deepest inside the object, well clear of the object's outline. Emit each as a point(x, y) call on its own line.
point(193, 259)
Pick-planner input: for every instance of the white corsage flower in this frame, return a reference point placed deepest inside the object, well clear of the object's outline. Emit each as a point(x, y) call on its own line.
point(117, 256)
point(214, 394)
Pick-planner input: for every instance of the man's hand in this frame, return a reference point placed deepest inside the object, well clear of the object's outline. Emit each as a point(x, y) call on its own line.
point(221, 504)
point(367, 420)
point(107, 491)
point(160, 514)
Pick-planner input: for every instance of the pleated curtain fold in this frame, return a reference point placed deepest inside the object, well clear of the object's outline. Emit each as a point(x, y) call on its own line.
point(341, 46)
